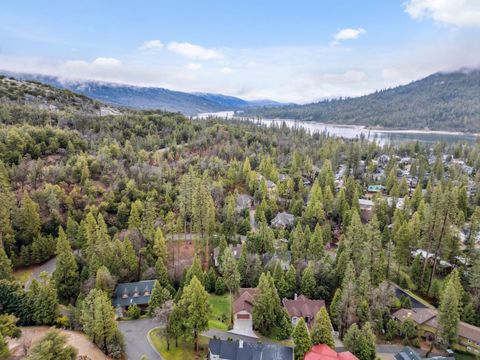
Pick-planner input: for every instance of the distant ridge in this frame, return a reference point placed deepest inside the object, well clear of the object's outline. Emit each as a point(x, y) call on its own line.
point(442, 101)
point(137, 97)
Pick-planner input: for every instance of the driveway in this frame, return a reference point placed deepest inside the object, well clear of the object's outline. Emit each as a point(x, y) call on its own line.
point(243, 327)
point(136, 340)
point(48, 266)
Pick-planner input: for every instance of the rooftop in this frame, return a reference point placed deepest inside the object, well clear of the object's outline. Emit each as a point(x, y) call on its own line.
point(324, 352)
point(244, 301)
point(127, 294)
point(240, 350)
point(303, 306)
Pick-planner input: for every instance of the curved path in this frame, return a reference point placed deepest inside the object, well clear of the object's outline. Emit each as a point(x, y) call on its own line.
point(48, 266)
point(136, 338)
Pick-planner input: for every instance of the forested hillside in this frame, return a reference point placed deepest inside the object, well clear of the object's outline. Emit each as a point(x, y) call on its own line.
point(24, 94)
point(442, 101)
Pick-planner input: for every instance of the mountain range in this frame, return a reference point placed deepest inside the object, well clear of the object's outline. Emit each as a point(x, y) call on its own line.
point(441, 101)
point(137, 97)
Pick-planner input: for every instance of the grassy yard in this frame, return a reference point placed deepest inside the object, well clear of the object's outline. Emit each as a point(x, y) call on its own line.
point(220, 309)
point(22, 275)
point(185, 350)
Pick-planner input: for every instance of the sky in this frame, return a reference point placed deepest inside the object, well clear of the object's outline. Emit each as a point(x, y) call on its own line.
point(291, 51)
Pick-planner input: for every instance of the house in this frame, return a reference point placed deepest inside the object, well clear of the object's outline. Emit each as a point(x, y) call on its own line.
point(283, 220)
point(239, 350)
point(243, 311)
point(243, 202)
point(324, 352)
point(427, 325)
point(383, 160)
point(366, 209)
point(271, 186)
point(127, 294)
point(236, 250)
point(301, 306)
point(375, 189)
point(283, 258)
point(408, 353)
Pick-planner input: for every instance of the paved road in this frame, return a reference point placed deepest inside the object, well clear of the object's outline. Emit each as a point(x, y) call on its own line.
point(48, 266)
point(253, 224)
point(136, 340)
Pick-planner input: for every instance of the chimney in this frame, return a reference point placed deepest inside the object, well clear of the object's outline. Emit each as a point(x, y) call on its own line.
point(295, 296)
point(240, 344)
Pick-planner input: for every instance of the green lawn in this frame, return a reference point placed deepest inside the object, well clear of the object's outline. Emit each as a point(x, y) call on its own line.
point(185, 350)
point(22, 275)
point(220, 309)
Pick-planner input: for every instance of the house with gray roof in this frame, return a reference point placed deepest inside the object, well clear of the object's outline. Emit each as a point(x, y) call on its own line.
point(244, 201)
point(283, 220)
point(239, 350)
point(127, 294)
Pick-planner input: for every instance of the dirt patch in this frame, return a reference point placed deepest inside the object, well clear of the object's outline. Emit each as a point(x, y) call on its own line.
point(181, 256)
point(30, 335)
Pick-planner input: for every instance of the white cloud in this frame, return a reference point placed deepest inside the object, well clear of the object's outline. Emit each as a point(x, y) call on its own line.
point(458, 13)
point(193, 66)
point(151, 45)
point(291, 74)
point(226, 70)
point(348, 34)
point(104, 61)
point(193, 51)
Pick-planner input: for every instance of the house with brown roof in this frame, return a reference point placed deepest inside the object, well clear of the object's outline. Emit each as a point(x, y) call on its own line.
point(243, 312)
point(301, 306)
point(427, 324)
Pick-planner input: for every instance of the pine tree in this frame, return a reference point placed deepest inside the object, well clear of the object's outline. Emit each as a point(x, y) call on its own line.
point(66, 271)
point(242, 266)
point(161, 272)
point(158, 297)
point(135, 219)
point(42, 297)
point(27, 220)
point(448, 314)
point(279, 279)
point(53, 346)
point(316, 246)
point(266, 305)
point(104, 280)
point(231, 276)
point(291, 280)
point(5, 265)
point(98, 320)
point(308, 284)
point(195, 270)
point(322, 329)
point(361, 342)
point(301, 339)
point(195, 309)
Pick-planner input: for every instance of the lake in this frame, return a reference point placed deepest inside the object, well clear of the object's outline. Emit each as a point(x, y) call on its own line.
point(379, 136)
point(351, 132)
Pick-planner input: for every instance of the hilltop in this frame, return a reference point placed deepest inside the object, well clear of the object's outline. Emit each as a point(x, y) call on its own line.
point(41, 96)
point(137, 97)
point(442, 101)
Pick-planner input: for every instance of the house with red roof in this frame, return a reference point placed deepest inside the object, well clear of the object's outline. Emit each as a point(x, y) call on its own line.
point(324, 352)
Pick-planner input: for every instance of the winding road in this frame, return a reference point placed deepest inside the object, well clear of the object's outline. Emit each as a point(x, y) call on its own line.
point(48, 266)
point(136, 338)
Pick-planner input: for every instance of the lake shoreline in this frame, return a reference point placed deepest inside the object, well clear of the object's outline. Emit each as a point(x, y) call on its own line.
point(373, 128)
